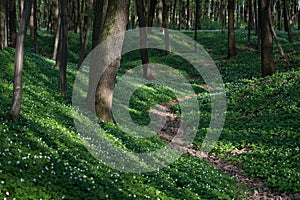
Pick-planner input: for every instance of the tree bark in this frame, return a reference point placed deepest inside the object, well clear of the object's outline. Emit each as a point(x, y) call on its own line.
point(35, 25)
point(140, 8)
point(255, 16)
point(278, 8)
point(160, 14)
point(2, 24)
point(17, 96)
point(181, 14)
point(287, 26)
point(56, 40)
point(166, 4)
point(85, 40)
point(101, 8)
point(98, 25)
point(299, 18)
point(250, 22)
point(188, 15)
point(259, 26)
point(151, 14)
point(62, 58)
point(223, 14)
point(197, 18)
point(12, 23)
point(174, 13)
point(267, 60)
point(115, 23)
point(231, 36)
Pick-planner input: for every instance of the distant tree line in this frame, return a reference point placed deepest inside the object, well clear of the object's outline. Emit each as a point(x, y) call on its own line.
point(106, 17)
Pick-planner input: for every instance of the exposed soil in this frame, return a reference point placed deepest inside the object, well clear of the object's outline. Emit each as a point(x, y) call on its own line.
point(259, 191)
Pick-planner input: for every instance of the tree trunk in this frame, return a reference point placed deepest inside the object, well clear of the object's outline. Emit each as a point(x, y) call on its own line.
point(231, 36)
point(2, 24)
point(174, 13)
point(17, 96)
point(267, 60)
point(99, 19)
point(223, 14)
point(101, 7)
point(78, 24)
point(181, 14)
point(35, 24)
point(140, 8)
point(115, 23)
point(259, 27)
point(255, 16)
point(276, 39)
point(62, 58)
point(286, 16)
point(250, 22)
point(85, 40)
point(166, 5)
point(197, 18)
point(56, 40)
point(12, 23)
point(151, 14)
point(160, 14)
point(188, 15)
point(299, 18)
point(278, 8)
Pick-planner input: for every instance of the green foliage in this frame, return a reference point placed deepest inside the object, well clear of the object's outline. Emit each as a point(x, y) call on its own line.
point(44, 157)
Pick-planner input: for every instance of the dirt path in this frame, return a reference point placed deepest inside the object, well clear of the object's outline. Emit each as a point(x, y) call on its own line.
point(259, 191)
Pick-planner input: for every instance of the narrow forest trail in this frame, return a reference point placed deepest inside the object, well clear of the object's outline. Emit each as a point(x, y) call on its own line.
point(258, 189)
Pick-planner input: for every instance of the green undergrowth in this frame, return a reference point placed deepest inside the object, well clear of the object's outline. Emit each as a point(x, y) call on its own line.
point(44, 156)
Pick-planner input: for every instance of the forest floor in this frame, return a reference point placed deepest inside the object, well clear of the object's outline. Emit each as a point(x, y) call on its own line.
point(257, 188)
point(256, 157)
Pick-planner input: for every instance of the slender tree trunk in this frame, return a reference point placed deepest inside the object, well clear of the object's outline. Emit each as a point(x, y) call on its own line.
point(35, 24)
point(31, 22)
point(255, 16)
point(299, 18)
point(6, 23)
point(174, 13)
point(115, 23)
point(278, 8)
point(223, 10)
point(197, 18)
point(166, 4)
point(287, 26)
point(49, 23)
point(99, 19)
point(2, 24)
point(143, 38)
point(12, 23)
point(188, 15)
point(78, 24)
point(87, 34)
point(199, 15)
point(276, 39)
point(231, 35)
point(250, 22)
point(56, 40)
point(259, 27)
point(62, 58)
point(17, 96)
point(151, 14)
point(101, 7)
point(181, 17)
point(267, 65)
point(160, 14)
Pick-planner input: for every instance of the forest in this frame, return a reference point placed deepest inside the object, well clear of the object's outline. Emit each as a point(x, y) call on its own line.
point(150, 99)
